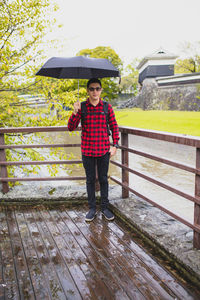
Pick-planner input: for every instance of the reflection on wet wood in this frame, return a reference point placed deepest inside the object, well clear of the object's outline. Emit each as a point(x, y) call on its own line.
point(54, 254)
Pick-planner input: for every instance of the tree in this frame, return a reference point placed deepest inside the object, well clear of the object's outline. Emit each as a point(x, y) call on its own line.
point(129, 83)
point(191, 62)
point(22, 26)
point(110, 85)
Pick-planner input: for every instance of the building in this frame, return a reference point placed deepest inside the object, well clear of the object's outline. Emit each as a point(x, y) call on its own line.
point(161, 88)
point(157, 64)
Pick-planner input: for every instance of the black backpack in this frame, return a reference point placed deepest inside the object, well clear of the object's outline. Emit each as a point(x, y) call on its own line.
point(105, 111)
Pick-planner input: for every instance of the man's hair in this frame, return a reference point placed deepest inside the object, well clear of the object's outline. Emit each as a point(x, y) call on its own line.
point(93, 80)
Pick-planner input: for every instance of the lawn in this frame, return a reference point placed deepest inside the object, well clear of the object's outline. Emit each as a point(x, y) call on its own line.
point(184, 122)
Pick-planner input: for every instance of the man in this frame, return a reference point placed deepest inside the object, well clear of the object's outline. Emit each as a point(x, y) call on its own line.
point(95, 145)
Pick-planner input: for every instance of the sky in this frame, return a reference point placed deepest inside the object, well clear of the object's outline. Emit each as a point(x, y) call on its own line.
point(133, 28)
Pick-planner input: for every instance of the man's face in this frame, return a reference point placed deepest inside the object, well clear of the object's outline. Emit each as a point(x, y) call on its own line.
point(94, 91)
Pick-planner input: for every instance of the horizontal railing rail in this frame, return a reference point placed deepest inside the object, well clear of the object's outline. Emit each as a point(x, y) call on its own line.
point(33, 129)
point(159, 183)
point(163, 136)
point(124, 166)
point(38, 146)
point(164, 161)
point(46, 162)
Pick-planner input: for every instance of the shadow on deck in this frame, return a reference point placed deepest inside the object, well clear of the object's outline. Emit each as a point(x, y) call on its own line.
point(52, 253)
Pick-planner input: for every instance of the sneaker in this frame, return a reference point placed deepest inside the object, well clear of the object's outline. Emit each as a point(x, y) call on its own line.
point(90, 215)
point(108, 214)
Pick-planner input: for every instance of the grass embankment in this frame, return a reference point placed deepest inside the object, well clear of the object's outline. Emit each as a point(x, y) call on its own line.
point(183, 122)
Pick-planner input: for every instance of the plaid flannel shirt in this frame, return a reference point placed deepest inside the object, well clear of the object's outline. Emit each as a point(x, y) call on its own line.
point(95, 140)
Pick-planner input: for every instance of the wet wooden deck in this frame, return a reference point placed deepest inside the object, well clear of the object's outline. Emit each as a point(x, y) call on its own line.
point(54, 254)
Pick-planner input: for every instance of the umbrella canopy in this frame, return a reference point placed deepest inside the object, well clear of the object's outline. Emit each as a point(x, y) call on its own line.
point(79, 67)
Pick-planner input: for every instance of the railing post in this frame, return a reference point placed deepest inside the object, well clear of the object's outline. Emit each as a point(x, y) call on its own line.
point(3, 169)
point(124, 157)
point(196, 240)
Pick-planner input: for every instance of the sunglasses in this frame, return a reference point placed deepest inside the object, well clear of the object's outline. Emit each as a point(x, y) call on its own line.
point(92, 89)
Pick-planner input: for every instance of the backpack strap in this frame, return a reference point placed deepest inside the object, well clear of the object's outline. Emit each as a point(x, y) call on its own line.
point(105, 109)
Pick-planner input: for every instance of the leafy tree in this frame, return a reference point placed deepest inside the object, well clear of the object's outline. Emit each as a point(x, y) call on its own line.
point(22, 26)
point(60, 95)
point(187, 65)
point(191, 62)
point(110, 85)
point(129, 83)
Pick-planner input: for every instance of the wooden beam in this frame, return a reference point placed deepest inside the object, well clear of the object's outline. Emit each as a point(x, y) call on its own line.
point(196, 239)
point(3, 169)
point(125, 161)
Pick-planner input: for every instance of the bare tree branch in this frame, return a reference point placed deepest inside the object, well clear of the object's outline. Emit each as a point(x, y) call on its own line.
point(11, 71)
point(22, 49)
point(14, 27)
point(7, 38)
point(5, 32)
point(20, 89)
point(10, 17)
point(8, 11)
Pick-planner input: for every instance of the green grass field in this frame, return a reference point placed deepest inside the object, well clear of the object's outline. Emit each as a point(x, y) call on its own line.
point(183, 122)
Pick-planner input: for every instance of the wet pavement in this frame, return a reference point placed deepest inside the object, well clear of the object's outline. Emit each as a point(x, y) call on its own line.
point(52, 253)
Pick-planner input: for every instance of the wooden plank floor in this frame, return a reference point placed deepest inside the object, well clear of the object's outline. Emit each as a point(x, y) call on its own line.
point(54, 254)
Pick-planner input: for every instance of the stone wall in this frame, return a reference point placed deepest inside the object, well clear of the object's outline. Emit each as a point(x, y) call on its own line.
point(178, 97)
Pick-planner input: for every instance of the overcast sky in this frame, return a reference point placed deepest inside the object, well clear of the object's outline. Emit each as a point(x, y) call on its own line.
point(133, 28)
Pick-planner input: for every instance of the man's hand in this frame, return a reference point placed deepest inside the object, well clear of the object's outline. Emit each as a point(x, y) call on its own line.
point(113, 151)
point(77, 106)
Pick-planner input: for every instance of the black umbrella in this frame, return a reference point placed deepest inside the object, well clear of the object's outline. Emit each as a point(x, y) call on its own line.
point(79, 67)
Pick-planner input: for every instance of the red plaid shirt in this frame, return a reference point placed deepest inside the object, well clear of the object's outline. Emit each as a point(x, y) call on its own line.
point(95, 140)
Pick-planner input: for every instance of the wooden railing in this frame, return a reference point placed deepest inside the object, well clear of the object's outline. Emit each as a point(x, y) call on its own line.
point(3, 163)
point(124, 165)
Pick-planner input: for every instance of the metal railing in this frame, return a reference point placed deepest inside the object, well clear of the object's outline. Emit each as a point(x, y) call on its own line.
point(124, 165)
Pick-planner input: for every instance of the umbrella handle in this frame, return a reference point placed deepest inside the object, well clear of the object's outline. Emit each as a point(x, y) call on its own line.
point(78, 90)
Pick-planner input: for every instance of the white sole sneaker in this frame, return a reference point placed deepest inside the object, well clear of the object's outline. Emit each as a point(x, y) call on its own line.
point(90, 219)
point(109, 219)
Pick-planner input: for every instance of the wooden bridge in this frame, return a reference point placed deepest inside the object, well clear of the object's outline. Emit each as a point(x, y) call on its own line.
point(52, 253)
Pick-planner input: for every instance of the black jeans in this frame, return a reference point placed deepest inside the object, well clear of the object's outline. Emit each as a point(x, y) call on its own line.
point(89, 163)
